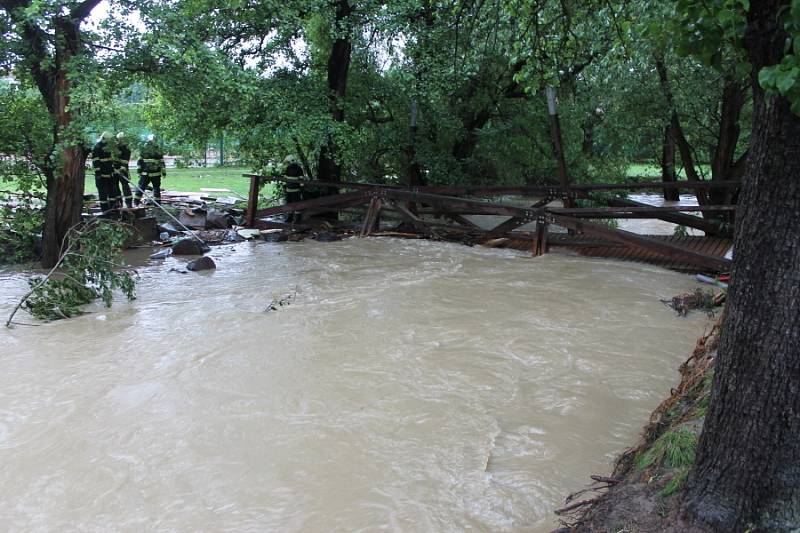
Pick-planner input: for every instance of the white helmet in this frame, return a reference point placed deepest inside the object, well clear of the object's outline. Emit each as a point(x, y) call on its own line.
point(289, 159)
point(106, 136)
point(121, 136)
point(150, 138)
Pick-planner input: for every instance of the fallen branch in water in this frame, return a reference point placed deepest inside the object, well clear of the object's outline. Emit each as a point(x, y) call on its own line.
point(43, 280)
point(604, 479)
point(277, 303)
point(698, 299)
point(575, 505)
point(86, 270)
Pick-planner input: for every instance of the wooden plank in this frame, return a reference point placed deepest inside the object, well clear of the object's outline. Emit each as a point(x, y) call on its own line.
point(665, 249)
point(324, 201)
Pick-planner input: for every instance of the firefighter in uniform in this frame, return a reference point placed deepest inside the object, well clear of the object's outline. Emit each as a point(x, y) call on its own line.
point(151, 168)
point(103, 165)
point(121, 173)
point(294, 190)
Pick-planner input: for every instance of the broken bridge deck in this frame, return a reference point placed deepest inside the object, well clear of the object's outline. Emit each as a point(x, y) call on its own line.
point(687, 254)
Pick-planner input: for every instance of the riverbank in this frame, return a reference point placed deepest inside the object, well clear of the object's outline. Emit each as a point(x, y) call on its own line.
point(643, 493)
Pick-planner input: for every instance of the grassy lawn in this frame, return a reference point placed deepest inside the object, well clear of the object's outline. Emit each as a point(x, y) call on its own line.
point(193, 179)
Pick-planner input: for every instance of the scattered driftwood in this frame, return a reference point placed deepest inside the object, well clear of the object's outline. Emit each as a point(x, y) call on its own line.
point(698, 299)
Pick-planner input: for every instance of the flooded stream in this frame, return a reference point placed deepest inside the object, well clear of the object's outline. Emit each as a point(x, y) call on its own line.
point(409, 386)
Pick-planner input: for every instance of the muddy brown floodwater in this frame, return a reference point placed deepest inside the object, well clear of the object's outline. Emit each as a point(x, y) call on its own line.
point(410, 386)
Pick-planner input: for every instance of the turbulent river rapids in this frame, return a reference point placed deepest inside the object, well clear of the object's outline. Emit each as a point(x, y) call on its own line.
point(407, 386)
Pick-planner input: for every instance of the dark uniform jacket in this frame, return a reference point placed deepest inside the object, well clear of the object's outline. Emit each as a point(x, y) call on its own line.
point(123, 157)
point(102, 160)
point(151, 161)
point(293, 170)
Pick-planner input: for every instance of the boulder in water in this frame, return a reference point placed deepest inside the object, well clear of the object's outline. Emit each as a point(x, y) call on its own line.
point(203, 263)
point(189, 247)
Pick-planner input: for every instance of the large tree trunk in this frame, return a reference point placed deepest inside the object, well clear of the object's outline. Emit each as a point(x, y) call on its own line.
point(723, 165)
point(328, 168)
point(465, 146)
point(65, 187)
point(676, 129)
point(747, 472)
point(668, 174)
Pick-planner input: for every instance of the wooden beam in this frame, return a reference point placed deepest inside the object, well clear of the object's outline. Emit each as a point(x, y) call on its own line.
point(555, 191)
point(540, 244)
point(464, 221)
point(371, 217)
point(322, 183)
point(640, 208)
point(680, 185)
point(506, 227)
point(414, 220)
point(488, 208)
point(690, 221)
point(514, 222)
point(325, 201)
point(671, 251)
point(343, 207)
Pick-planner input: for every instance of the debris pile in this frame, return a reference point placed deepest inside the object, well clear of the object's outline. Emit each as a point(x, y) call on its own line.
point(698, 299)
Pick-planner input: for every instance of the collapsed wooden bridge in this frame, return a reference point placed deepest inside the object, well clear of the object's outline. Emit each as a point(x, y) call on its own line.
point(441, 213)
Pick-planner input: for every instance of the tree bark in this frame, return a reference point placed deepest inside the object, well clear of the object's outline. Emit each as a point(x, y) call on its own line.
point(65, 186)
point(747, 471)
point(679, 137)
point(328, 168)
point(668, 174)
point(723, 165)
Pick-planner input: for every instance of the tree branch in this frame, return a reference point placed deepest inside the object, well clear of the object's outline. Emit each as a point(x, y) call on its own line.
point(83, 10)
